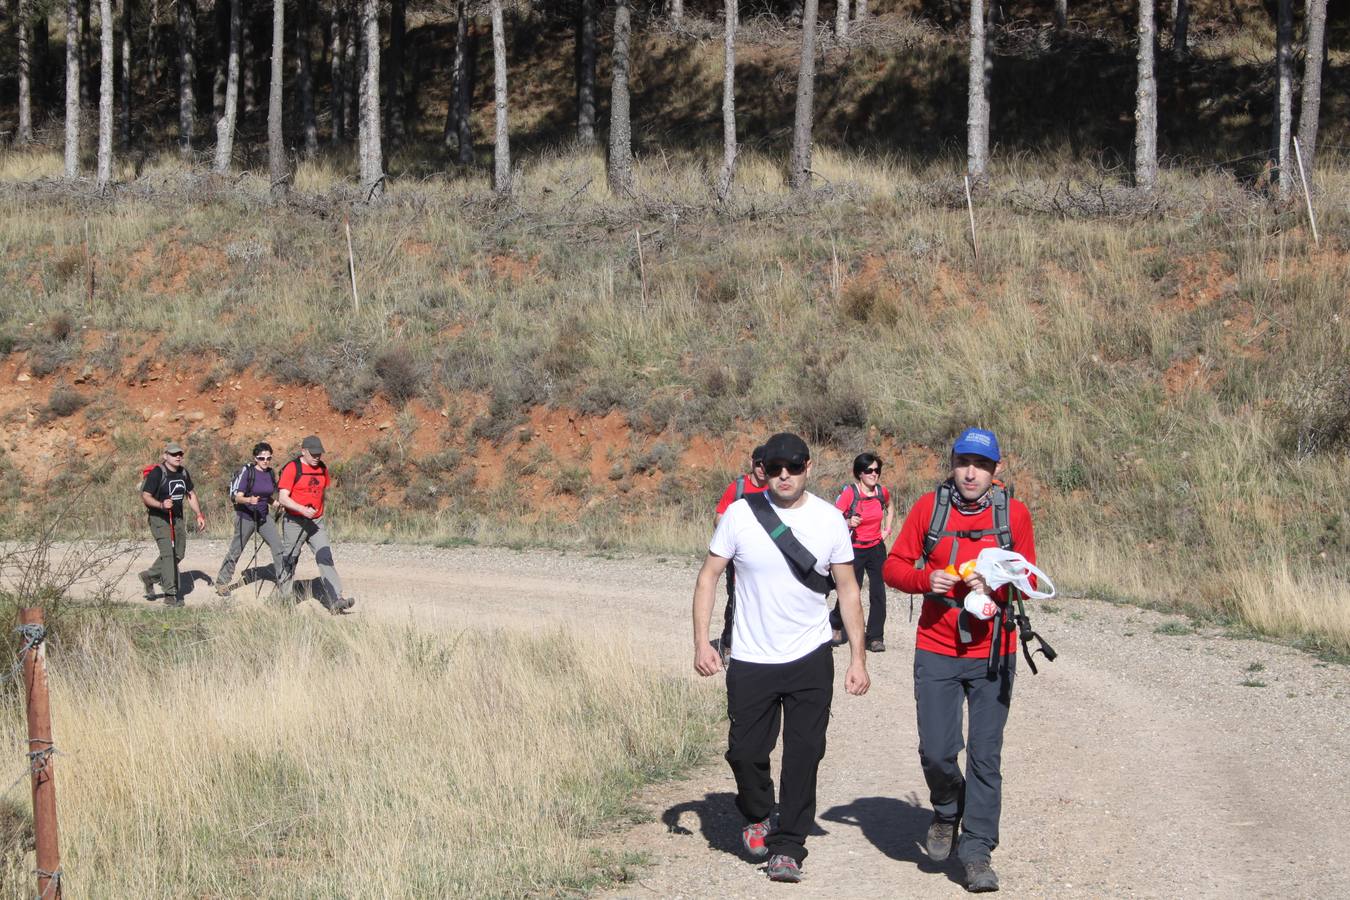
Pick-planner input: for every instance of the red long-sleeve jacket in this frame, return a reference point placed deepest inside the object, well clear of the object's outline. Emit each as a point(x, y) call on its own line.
point(937, 630)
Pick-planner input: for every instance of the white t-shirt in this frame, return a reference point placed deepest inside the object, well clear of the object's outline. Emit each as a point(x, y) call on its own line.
point(779, 619)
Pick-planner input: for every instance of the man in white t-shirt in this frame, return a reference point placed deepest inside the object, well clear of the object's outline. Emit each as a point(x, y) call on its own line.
point(786, 544)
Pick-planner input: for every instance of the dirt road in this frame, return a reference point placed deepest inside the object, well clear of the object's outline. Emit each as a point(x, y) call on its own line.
point(1140, 763)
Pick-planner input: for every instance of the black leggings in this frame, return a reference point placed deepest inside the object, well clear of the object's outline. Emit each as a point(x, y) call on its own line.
point(868, 560)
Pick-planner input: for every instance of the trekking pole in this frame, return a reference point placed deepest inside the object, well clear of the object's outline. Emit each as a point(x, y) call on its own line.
point(1027, 635)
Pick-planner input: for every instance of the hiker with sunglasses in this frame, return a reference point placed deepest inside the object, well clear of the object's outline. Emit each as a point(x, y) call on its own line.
point(251, 492)
point(301, 486)
point(790, 548)
point(867, 509)
point(164, 487)
point(956, 660)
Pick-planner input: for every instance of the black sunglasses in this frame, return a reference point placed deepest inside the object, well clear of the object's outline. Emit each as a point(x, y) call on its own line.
point(173, 454)
point(773, 468)
point(872, 471)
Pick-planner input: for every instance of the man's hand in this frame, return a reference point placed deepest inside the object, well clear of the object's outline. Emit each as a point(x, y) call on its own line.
point(975, 582)
point(310, 512)
point(707, 661)
point(201, 522)
point(857, 681)
point(166, 503)
point(942, 582)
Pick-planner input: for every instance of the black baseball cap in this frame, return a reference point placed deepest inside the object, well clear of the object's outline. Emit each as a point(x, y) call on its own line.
point(312, 444)
point(757, 454)
point(786, 447)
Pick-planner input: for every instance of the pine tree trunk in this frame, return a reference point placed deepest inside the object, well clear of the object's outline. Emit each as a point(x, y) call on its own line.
point(1315, 19)
point(372, 154)
point(841, 20)
point(230, 106)
point(458, 121)
point(187, 74)
point(501, 164)
point(799, 175)
point(675, 9)
point(125, 124)
point(586, 73)
point(72, 88)
point(276, 145)
point(398, 33)
point(220, 28)
point(859, 10)
point(727, 176)
point(304, 75)
point(1062, 14)
point(620, 169)
point(105, 94)
point(25, 132)
point(337, 82)
point(1145, 104)
point(1181, 23)
point(1284, 96)
point(977, 116)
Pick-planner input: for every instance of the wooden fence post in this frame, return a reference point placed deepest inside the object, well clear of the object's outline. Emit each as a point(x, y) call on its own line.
point(40, 751)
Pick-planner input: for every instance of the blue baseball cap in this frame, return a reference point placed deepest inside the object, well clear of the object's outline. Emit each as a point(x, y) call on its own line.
point(977, 442)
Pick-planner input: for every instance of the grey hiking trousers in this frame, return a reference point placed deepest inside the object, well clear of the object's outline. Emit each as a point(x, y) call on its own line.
point(245, 527)
point(942, 685)
point(295, 533)
point(171, 553)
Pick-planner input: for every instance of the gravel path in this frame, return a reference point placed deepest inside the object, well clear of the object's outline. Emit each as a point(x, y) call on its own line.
point(1139, 764)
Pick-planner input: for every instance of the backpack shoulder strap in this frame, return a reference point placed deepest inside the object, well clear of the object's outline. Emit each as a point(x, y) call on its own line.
point(852, 504)
point(799, 559)
point(942, 507)
point(1002, 528)
point(299, 470)
point(740, 486)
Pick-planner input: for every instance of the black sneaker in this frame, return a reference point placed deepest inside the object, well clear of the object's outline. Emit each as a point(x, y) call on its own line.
point(876, 645)
point(938, 843)
point(980, 878)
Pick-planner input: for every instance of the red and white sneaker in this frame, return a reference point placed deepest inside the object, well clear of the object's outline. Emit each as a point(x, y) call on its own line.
point(784, 868)
point(752, 838)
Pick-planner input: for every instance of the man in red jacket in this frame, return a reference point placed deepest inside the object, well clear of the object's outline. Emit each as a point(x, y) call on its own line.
point(953, 662)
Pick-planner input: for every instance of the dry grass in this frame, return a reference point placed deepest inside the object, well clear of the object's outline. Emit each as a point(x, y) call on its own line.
point(282, 755)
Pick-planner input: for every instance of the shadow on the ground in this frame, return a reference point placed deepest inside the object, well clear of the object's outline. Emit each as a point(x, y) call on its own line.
point(897, 828)
point(720, 823)
point(188, 580)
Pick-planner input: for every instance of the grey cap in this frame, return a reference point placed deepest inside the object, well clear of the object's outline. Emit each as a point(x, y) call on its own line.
point(173, 447)
point(312, 444)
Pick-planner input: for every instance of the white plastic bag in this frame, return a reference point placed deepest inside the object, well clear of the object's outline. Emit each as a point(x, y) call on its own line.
point(981, 606)
point(999, 567)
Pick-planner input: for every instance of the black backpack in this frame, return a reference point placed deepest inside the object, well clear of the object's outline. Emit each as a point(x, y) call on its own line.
point(246, 486)
point(942, 508)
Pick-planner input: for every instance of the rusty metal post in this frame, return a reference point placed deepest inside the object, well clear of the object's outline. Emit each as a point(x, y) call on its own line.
point(40, 748)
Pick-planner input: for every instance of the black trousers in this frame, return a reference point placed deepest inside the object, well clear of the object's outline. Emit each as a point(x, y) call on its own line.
point(868, 560)
point(760, 697)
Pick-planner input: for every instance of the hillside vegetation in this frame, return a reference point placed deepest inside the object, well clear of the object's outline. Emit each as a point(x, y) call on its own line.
point(1171, 377)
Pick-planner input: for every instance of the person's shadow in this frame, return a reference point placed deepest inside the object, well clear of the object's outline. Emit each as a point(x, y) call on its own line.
point(719, 821)
point(188, 580)
point(897, 827)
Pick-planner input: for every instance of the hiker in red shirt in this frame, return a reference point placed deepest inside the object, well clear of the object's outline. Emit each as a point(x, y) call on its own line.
point(867, 509)
point(301, 486)
point(953, 662)
point(753, 482)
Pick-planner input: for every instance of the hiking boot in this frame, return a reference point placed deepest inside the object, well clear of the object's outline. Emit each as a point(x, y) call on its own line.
point(938, 843)
point(980, 878)
point(341, 605)
point(223, 588)
point(752, 838)
point(783, 868)
point(876, 645)
point(147, 584)
point(838, 638)
point(174, 601)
